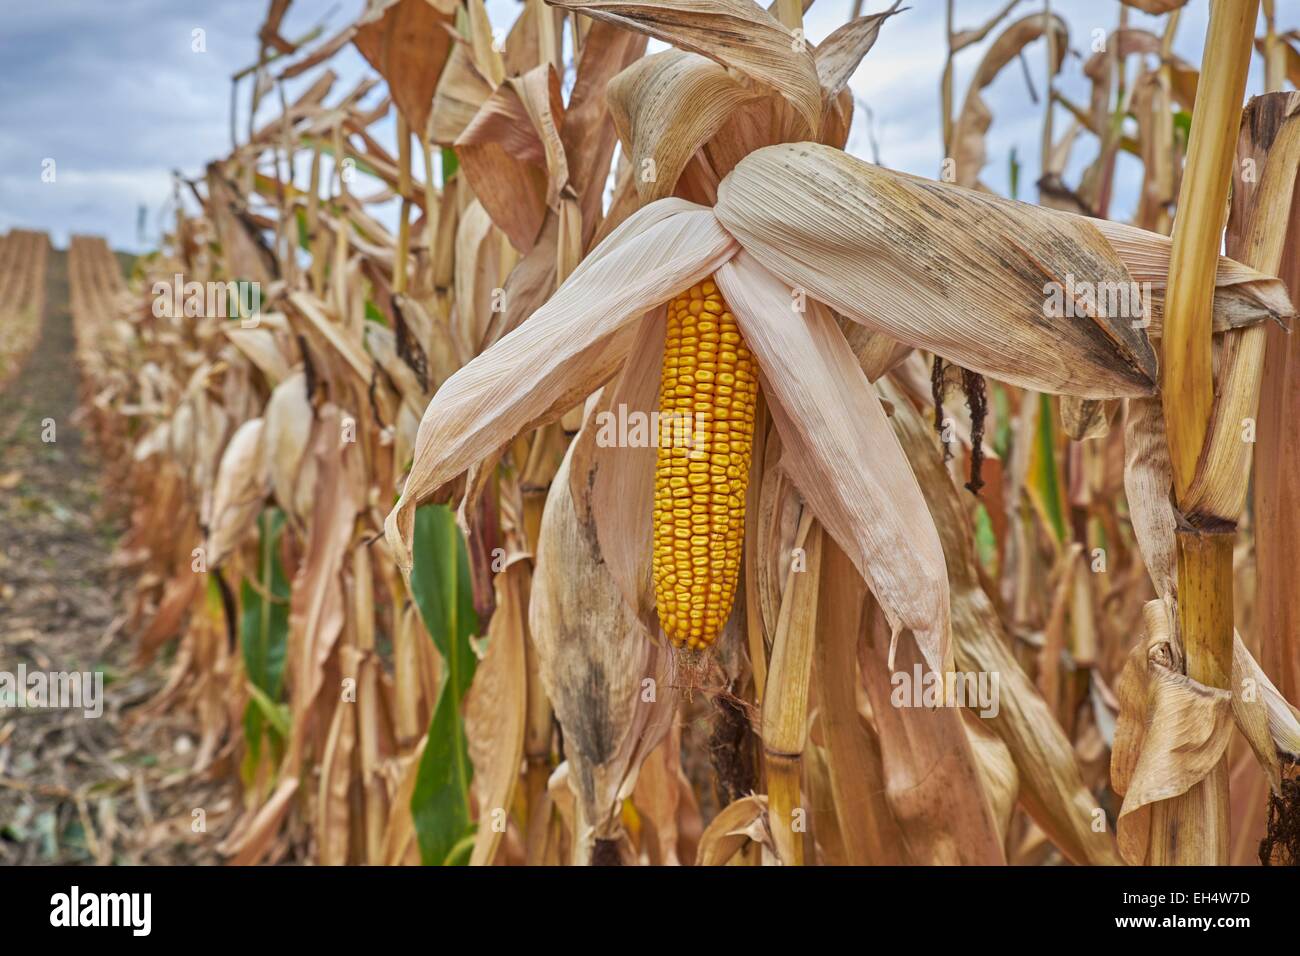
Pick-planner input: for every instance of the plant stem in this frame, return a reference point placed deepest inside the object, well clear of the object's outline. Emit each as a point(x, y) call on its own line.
point(1188, 378)
point(1193, 828)
point(785, 706)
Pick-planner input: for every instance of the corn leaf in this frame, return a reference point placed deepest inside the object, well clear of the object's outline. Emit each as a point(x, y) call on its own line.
point(441, 585)
point(264, 632)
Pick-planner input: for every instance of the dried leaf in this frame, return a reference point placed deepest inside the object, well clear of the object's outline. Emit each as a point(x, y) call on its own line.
point(735, 33)
point(555, 358)
point(938, 267)
point(665, 107)
point(839, 55)
point(605, 678)
point(242, 484)
point(738, 824)
point(975, 118)
point(494, 711)
point(407, 42)
point(841, 453)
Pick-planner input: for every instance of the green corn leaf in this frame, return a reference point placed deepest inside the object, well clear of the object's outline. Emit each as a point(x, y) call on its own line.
point(450, 164)
point(1044, 484)
point(264, 635)
point(441, 585)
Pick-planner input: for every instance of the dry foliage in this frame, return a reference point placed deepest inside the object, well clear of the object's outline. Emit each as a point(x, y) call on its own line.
point(409, 582)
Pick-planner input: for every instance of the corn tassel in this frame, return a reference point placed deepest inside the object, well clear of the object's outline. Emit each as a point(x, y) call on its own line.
point(706, 428)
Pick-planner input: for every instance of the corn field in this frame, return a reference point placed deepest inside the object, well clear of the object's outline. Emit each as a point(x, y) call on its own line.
point(611, 468)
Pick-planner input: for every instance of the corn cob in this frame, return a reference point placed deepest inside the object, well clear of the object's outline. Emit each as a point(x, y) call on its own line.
point(709, 385)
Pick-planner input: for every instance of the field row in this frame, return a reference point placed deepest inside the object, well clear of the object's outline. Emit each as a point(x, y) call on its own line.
point(23, 258)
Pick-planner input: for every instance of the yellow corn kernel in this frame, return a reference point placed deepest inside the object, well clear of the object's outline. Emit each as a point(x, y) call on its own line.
point(710, 380)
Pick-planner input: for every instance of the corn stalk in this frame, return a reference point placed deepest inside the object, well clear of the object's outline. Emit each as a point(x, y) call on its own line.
point(1193, 828)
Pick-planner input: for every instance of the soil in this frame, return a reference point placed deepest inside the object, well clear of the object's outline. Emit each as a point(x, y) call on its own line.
point(77, 788)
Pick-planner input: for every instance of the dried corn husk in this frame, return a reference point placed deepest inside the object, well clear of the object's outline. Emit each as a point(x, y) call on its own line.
point(735, 33)
point(937, 267)
point(242, 484)
point(288, 431)
point(607, 681)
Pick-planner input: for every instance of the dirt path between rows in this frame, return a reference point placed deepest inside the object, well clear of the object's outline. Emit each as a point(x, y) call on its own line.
point(76, 788)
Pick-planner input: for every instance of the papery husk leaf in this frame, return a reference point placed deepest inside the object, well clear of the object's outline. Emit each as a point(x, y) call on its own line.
point(260, 347)
point(839, 55)
point(665, 107)
point(1242, 295)
point(841, 453)
point(594, 658)
point(877, 354)
point(773, 511)
point(736, 33)
point(749, 128)
point(242, 484)
point(620, 493)
point(557, 357)
point(737, 824)
point(938, 267)
point(288, 431)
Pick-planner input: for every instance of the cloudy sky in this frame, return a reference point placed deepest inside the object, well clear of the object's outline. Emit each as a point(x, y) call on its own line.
point(117, 96)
